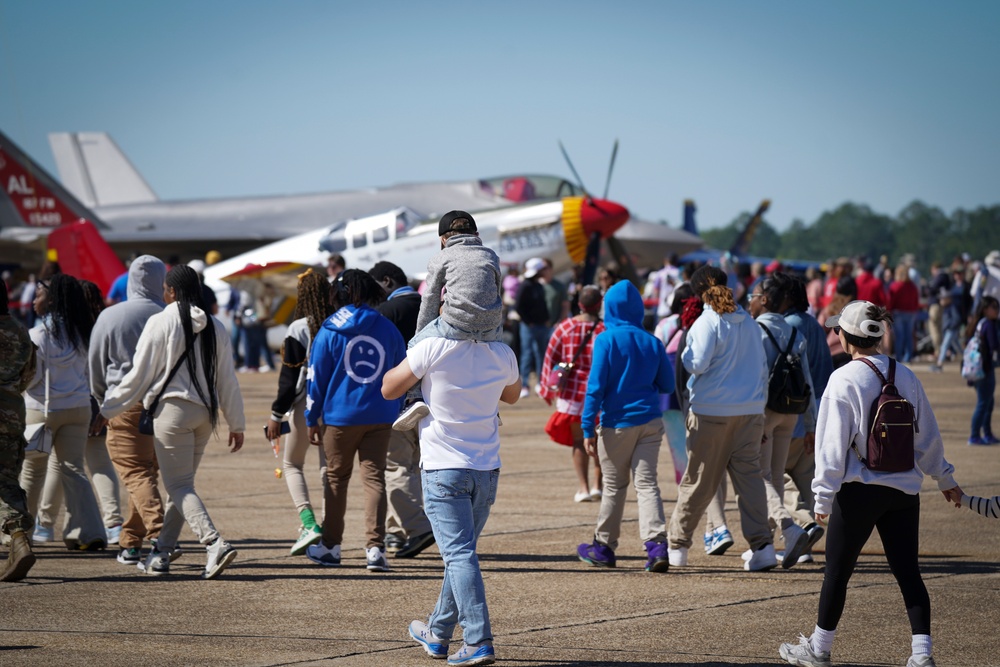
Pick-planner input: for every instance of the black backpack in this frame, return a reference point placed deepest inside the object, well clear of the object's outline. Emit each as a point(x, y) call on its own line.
point(788, 393)
point(891, 425)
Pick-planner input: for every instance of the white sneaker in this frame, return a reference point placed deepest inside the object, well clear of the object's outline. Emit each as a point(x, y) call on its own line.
point(796, 543)
point(376, 560)
point(525, 392)
point(220, 554)
point(581, 497)
point(157, 562)
point(802, 654)
point(319, 554)
point(677, 557)
point(595, 494)
point(920, 661)
point(807, 557)
point(761, 560)
point(410, 418)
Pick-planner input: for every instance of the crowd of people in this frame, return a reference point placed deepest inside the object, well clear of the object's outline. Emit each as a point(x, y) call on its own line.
point(751, 377)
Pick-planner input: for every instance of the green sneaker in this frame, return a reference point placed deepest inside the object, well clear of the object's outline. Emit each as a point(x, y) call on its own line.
point(307, 537)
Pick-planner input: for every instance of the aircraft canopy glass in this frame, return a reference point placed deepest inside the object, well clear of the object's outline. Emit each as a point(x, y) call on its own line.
point(529, 187)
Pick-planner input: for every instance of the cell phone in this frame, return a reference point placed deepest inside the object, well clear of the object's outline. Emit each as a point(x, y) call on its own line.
point(284, 429)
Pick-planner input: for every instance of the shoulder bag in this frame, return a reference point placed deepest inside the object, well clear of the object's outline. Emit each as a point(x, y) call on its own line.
point(559, 374)
point(38, 436)
point(146, 417)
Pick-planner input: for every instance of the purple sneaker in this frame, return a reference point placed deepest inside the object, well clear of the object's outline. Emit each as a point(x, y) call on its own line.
point(658, 560)
point(991, 439)
point(976, 440)
point(598, 555)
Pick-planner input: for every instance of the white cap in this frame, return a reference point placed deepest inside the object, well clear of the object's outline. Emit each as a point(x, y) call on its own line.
point(534, 266)
point(197, 265)
point(854, 320)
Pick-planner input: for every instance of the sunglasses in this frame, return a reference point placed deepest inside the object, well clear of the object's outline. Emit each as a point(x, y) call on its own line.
point(836, 331)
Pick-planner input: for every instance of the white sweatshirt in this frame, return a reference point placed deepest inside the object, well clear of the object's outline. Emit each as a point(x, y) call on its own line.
point(160, 346)
point(69, 382)
point(843, 419)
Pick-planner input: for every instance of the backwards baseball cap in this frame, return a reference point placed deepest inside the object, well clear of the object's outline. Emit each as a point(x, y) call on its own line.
point(854, 320)
point(452, 221)
point(534, 266)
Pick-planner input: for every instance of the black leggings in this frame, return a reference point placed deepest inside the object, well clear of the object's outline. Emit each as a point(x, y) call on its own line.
point(857, 509)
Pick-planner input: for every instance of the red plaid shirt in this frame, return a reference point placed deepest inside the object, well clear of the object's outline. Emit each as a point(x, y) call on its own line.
point(563, 344)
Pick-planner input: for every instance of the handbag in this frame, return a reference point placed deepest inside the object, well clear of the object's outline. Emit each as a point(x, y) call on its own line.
point(972, 358)
point(39, 436)
point(559, 374)
point(146, 416)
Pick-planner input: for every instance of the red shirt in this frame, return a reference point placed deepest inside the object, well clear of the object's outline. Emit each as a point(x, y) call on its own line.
point(904, 296)
point(563, 344)
point(870, 289)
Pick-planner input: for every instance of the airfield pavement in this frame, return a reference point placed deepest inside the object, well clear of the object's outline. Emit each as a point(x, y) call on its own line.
point(547, 607)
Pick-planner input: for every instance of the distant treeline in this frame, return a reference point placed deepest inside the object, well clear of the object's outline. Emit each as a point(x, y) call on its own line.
point(854, 229)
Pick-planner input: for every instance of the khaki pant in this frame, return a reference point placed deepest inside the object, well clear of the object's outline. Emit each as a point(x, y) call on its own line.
point(799, 471)
point(370, 443)
point(717, 444)
point(404, 493)
point(621, 450)
point(181, 432)
point(296, 451)
point(935, 315)
point(778, 430)
point(69, 442)
point(102, 477)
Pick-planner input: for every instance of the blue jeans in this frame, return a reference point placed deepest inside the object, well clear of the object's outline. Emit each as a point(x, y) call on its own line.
point(982, 416)
point(903, 323)
point(457, 502)
point(534, 340)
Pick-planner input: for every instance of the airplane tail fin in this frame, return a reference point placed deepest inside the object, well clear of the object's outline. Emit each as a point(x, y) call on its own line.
point(689, 224)
point(742, 243)
point(30, 197)
point(84, 254)
point(96, 171)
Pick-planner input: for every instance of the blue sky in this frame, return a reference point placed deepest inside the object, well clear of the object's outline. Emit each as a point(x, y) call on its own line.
point(810, 104)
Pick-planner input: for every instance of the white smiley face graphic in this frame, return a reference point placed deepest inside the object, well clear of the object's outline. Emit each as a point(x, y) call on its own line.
point(364, 358)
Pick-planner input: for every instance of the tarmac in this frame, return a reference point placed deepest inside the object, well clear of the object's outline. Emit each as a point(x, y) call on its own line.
point(546, 607)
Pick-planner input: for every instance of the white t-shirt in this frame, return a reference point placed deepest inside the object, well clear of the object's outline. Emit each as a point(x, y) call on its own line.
point(461, 381)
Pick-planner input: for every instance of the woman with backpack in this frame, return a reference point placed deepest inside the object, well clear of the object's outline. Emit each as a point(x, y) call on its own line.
point(782, 343)
point(856, 495)
point(984, 332)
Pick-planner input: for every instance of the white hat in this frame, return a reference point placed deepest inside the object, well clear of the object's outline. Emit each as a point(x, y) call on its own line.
point(197, 265)
point(854, 320)
point(534, 266)
point(993, 259)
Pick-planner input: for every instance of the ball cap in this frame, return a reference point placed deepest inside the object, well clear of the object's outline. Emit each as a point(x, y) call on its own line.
point(449, 219)
point(854, 320)
point(534, 266)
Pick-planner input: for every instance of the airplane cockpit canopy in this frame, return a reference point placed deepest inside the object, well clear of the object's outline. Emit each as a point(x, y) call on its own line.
point(526, 188)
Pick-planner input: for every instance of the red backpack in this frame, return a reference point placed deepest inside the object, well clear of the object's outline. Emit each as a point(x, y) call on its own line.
point(891, 425)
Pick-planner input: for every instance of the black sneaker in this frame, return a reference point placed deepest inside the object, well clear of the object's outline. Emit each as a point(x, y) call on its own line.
point(413, 546)
point(130, 556)
point(393, 542)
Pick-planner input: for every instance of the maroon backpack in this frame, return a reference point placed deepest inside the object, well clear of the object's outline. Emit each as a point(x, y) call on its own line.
point(891, 425)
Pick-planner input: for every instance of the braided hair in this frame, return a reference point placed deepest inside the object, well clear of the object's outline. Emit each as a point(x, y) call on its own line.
point(357, 287)
point(777, 287)
point(187, 292)
point(709, 282)
point(313, 300)
point(72, 320)
point(95, 300)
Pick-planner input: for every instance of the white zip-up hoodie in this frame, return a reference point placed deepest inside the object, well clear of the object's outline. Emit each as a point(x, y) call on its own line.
point(69, 382)
point(160, 346)
point(843, 419)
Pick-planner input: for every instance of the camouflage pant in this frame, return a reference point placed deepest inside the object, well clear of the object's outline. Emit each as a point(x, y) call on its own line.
point(13, 502)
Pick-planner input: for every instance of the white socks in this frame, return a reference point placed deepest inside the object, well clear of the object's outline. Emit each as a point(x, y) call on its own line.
point(822, 640)
point(921, 645)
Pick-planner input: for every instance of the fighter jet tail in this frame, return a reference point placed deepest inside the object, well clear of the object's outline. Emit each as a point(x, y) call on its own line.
point(96, 171)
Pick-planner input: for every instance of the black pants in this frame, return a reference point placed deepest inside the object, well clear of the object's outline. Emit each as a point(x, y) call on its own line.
point(857, 509)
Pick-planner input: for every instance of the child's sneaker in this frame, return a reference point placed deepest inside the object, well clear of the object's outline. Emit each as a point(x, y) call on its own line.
point(411, 416)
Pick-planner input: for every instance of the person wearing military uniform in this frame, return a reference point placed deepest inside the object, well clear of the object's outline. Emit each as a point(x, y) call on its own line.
point(17, 366)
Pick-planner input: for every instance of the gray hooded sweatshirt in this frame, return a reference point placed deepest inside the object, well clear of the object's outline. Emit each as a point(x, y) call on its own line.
point(470, 272)
point(117, 330)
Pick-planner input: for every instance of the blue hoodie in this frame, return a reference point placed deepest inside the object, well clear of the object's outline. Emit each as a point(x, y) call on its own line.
point(630, 368)
point(352, 351)
point(728, 367)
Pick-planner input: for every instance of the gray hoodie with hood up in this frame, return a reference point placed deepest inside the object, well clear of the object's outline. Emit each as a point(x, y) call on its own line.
point(117, 330)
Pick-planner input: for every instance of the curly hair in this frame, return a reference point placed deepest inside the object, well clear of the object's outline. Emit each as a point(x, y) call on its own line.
point(187, 292)
point(95, 300)
point(72, 320)
point(313, 300)
point(709, 282)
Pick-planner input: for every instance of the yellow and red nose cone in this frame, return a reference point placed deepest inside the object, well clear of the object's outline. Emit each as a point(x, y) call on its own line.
point(582, 217)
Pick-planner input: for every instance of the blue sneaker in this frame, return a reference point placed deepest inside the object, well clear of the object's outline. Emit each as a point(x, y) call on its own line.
point(113, 533)
point(658, 560)
point(991, 439)
point(42, 534)
point(473, 655)
point(598, 555)
point(319, 554)
point(974, 440)
point(431, 643)
point(722, 539)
